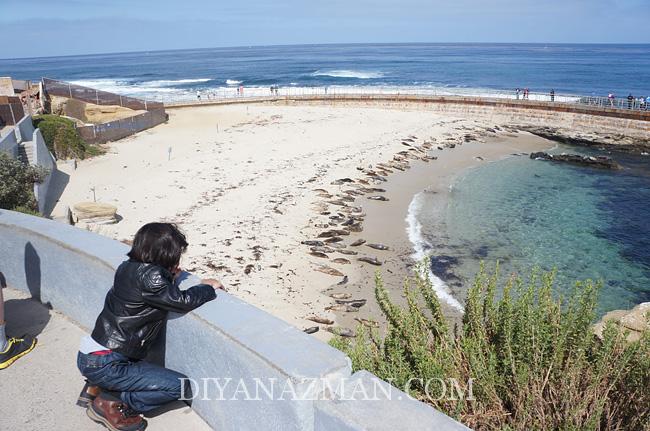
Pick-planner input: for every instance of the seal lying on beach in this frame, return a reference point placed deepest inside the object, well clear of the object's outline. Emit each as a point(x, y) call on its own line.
point(329, 271)
point(358, 243)
point(370, 260)
point(378, 246)
point(378, 198)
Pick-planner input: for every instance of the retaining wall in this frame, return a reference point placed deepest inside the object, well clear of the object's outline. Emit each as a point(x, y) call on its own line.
point(633, 123)
point(113, 130)
point(72, 269)
point(45, 159)
point(9, 144)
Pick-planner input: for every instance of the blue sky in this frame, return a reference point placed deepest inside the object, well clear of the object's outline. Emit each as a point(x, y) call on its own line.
point(67, 27)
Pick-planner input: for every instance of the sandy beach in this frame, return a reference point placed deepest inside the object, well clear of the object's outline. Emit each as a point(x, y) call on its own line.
point(249, 183)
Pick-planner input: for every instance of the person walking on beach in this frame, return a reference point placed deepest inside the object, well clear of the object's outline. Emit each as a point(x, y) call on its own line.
point(198, 95)
point(526, 93)
point(552, 95)
point(120, 384)
point(517, 91)
point(630, 101)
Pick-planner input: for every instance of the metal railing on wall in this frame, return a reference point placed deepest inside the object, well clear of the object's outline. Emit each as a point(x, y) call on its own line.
point(242, 93)
point(112, 130)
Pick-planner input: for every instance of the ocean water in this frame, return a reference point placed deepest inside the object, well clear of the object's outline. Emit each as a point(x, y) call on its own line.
point(444, 68)
point(586, 223)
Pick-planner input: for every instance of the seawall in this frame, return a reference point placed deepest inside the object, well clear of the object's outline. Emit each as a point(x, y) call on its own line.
point(580, 118)
point(228, 340)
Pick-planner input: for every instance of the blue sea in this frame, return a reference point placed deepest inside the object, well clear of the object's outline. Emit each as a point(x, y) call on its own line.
point(587, 223)
point(451, 68)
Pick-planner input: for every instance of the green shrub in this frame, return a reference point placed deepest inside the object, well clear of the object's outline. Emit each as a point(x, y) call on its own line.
point(17, 184)
point(534, 359)
point(62, 138)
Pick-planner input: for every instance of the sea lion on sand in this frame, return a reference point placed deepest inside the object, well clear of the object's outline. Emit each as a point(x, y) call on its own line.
point(319, 254)
point(356, 227)
point(329, 271)
point(311, 330)
point(333, 232)
point(378, 198)
point(343, 281)
point(370, 260)
point(340, 260)
point(322, 249)
point(348, 252)
point(313, 243)
point(341, 181)
point(378, 246)
point(333, 239)
point(343, 332)
point(358, 243)
point(342, 307)
point(321, 320)
point(341, 296)
point(366, 322)
point(356, 303)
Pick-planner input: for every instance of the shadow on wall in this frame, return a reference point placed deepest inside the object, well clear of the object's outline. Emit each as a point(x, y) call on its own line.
point(58, 183)
point(33, 271)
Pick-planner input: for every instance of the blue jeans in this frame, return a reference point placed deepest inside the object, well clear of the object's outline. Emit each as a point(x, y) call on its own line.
point(142, 386)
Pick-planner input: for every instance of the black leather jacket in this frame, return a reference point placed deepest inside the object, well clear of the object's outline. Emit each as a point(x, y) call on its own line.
point(136, 307)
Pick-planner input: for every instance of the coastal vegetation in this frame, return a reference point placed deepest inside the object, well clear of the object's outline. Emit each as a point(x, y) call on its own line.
point(62, 138)
point(532, 357)
point(17, 185)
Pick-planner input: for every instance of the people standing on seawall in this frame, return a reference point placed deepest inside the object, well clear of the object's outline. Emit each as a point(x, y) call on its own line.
point(526, 91)
point(553, 95)
point(630, 101)
point(517, 91)
point(647, 103)
point(611, 98)
point(120, 385)
point(11, 349)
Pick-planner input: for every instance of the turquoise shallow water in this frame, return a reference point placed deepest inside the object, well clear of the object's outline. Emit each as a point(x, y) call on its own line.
point(587, 223)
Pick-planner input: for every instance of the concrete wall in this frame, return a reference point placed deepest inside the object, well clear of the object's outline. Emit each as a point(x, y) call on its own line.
point(25, 128)
point(634, 124)
point(72, 269)
point(45, 159)
point(9, 144)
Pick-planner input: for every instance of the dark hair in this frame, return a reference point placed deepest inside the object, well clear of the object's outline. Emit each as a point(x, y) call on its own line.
point(159, 243)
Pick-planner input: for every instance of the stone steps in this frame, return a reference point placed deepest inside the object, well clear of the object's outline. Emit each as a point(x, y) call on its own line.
point(26, 152)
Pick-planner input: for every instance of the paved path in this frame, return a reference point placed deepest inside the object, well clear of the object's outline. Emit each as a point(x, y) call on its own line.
point(39, 391)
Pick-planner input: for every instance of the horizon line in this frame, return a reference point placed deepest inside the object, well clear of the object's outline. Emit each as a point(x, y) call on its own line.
point(328, 44)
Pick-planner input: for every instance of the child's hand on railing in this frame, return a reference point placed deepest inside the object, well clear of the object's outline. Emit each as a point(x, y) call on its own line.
point(216, 284)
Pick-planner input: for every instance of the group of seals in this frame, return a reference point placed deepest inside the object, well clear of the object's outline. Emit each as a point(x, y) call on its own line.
point(343, 217)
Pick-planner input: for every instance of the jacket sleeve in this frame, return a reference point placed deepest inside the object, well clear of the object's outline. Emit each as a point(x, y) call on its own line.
point(159, 292)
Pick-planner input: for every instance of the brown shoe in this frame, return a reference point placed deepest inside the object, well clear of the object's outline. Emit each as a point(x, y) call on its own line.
point(115, 415)
point(87, 395)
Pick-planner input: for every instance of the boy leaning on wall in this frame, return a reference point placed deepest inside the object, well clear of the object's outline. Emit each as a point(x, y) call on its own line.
point(121, 386)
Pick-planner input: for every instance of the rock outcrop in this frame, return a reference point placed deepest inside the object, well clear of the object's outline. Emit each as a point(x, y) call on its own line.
point(577, 159)
point(635, 320)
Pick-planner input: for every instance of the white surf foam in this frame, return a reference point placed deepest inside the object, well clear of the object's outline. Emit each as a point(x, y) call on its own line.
point(349, 74)
point(422, 249)
point(172, 82)
point(232, 82)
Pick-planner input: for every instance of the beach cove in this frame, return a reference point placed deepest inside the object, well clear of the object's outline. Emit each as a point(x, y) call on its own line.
point(243, 182)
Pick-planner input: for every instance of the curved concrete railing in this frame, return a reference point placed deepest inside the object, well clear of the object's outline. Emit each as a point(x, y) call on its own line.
point(265, 373)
